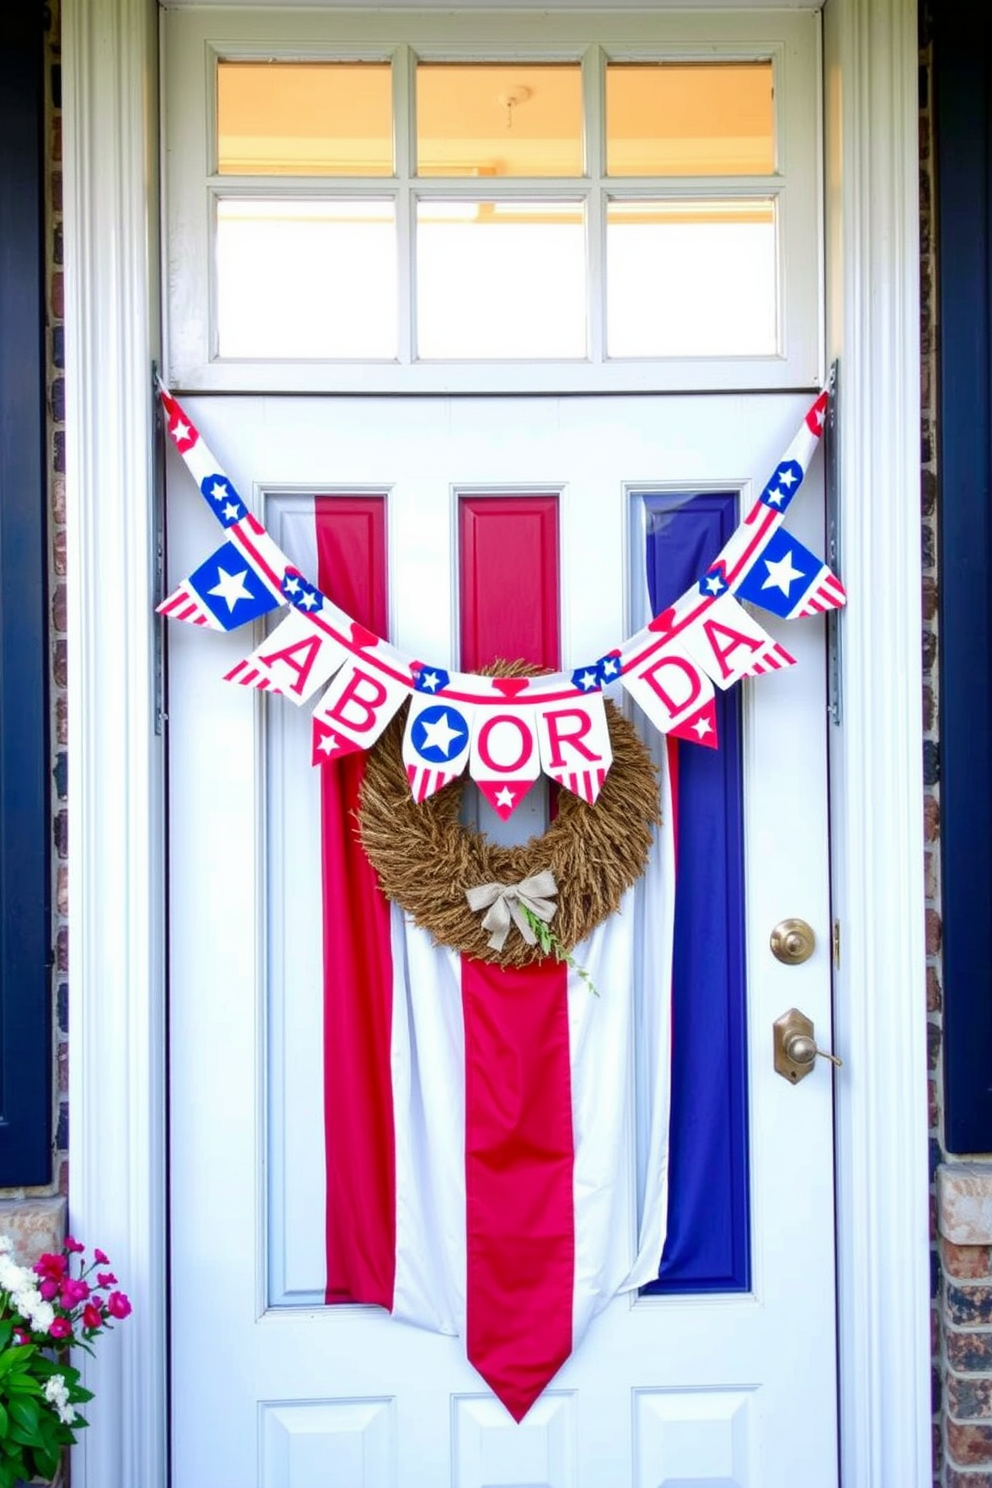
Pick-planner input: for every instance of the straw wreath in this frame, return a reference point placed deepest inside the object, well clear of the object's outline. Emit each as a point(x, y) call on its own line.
point(426, 858)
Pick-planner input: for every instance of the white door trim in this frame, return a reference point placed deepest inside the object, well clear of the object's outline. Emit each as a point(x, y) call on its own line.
point(116, 839)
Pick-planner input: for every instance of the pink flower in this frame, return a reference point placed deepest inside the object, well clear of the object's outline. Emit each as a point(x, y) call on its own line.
point(51, 1267)
point(118, 1305)
point(61, 1328)
point(20, 1337)
point(73, 1246)
point(106, 1279)
point(93, 1315)
point(73, 1291)
point(49, 1289)
point(101, 1258)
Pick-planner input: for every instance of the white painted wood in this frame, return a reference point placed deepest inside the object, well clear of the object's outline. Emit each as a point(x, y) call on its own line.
point(116, 959)
point(243, 959)
point(194, 38)
point(871, 194)
point(876, 757)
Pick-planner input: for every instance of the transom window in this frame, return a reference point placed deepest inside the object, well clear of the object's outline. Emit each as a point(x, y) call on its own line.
point(573, 201)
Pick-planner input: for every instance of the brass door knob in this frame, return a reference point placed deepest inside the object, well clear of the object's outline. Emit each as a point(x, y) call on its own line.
point(792, 942)
point(794, 1046)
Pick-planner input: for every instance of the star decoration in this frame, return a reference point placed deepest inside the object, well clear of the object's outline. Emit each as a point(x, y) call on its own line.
point(430, 681)
point(219, 490)
point(714, 584)
point(328, 744)
point(504, 797)
point(440, 735)
point(702, 727)
point(588, 679)
point(308, 601)
point(180, 432)
point(773, 497)
point(610, 666)
point(231, 587)
point(788, 479)
point(781, 574)
point(231, 512)
point(291, 584)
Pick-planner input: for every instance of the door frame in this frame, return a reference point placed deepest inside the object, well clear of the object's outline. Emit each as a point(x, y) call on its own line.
point(117, 838)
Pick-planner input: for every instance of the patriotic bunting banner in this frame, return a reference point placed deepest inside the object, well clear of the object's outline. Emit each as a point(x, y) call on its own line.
point(505, 730)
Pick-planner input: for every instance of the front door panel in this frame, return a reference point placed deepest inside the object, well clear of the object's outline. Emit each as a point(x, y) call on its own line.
point(723, 1372)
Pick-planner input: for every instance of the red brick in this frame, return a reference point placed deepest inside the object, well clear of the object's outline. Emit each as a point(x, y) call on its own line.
point(971, 1353)
point(60, 663)
point(58, 552)
point(931, 818)
point(934, 998)
point(934, 1040)
point(969, 1446)
point(933, 1105)
point(62, 890)
point(969, 1398)
point(59, 608)
point(56, 146)
point(955, 1479)
point(971, 1262)
point(931, 883)
point(58, 498)
point(928, 709)
point(930, 594)
point(58, 295)
point(934, 932)
point(56, 198)
point(62, 718)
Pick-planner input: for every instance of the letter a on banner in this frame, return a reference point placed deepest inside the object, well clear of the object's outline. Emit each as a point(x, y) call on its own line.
point(575, 744)
point(295, 660)
point(436, 743)
point(354, 711)
point(729, 645)
point(676, 695)
point(505, 760)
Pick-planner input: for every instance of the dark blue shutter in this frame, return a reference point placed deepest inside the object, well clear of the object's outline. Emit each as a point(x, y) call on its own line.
point(25, 1016)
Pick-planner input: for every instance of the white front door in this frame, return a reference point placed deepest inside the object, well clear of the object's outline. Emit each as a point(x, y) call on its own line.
point(711, 1381)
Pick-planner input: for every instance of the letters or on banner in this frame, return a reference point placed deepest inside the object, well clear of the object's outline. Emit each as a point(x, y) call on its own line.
point(354, 711)
point(505, 758)
point(436, 742)
point(295, 660)
point(574, 742)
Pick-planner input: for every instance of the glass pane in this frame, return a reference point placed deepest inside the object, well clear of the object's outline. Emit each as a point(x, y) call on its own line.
point(691, 278)
point(306, 278)
point(304, 118)
point(499, 119)
point(501, 279)
point(689, 119)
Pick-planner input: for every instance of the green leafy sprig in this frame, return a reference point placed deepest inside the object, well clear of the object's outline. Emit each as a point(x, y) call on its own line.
point(552, 946)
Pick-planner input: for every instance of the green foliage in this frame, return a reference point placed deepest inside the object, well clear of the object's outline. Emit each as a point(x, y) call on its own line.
point(552, 946)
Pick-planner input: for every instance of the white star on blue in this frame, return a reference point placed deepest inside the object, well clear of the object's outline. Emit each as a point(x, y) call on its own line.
point(304, 595)
point(439, 734)
point(781, 574)
point(783, 485)
point(713, 582)
point(224, 500)
point(231, 589)
point(431, 679)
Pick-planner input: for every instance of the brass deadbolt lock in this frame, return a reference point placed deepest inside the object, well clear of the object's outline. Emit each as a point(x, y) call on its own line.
point(792, 942)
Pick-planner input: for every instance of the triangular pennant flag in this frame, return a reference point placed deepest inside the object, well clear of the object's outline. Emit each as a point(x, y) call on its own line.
point(786, 576)
point(227, 589)
point(505, 759)
point(675, 693)
point(728, 644)
point(436, 743)
point(574, 740)
point(354, 710)
point(295, 660)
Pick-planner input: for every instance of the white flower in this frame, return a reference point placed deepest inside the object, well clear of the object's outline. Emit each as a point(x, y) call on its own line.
point(5, 1244)
point(42, 1316)
point(13, 1278)
point(55, 1389)
point(57, 1394)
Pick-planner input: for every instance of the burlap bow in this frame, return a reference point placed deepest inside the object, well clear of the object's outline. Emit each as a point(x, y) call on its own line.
point(503, 901)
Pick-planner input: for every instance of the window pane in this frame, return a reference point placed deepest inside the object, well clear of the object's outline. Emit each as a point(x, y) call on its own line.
point(499, 119)
point(304, 118)
point(306, 278)
point(689, 119)
point(691, 278)
point(501, 279)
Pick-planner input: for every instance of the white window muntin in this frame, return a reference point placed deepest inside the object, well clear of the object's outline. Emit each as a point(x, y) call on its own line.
point(195, 41)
